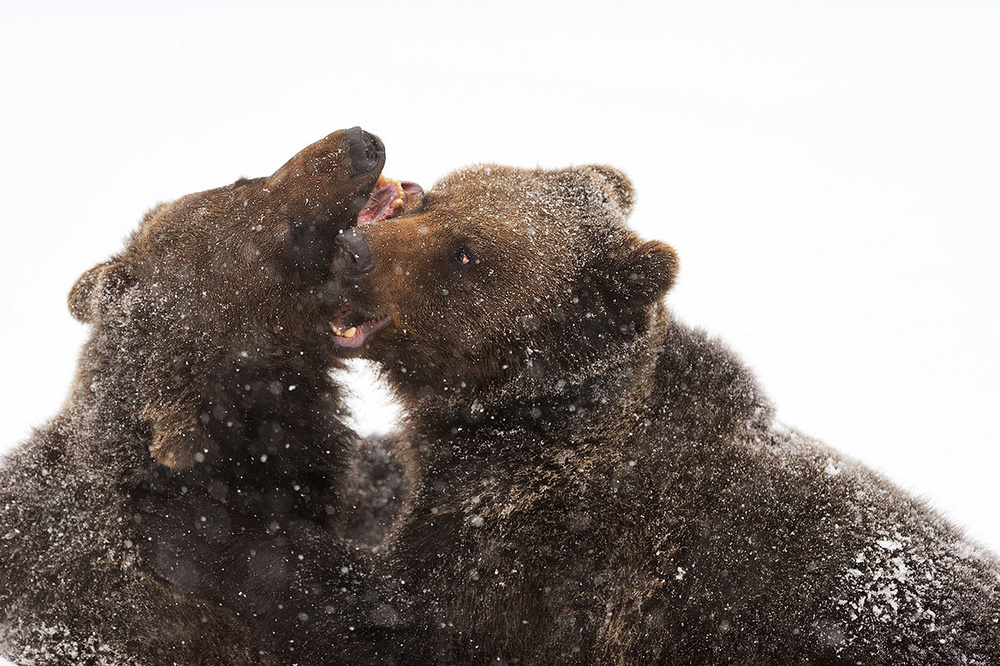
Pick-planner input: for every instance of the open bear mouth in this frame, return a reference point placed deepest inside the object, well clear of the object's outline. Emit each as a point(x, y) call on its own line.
point(352, 329)
point(390, 198)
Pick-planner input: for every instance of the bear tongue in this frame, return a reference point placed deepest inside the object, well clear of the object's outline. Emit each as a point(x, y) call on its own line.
point(389, 198)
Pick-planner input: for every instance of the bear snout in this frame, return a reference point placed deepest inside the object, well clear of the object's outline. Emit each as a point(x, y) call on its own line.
point(353, 257)
point(366, 151)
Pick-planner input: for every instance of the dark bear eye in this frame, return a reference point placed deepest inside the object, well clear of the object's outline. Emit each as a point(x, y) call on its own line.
point(463, 258)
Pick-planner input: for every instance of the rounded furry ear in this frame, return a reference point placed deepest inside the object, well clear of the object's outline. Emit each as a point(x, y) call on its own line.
point(653, 271)
point(642, 275)
point(106, 278)
point(617, 185)
point(81, 295)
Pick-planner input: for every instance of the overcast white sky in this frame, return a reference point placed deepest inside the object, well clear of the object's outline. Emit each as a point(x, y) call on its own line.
point(828, 173)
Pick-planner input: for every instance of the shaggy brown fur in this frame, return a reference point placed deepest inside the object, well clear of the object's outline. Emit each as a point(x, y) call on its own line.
point(598, 483)
point(206, 370)
point(601, 484)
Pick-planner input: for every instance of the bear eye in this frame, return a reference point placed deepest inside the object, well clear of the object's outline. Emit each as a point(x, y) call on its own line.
point(463, 258)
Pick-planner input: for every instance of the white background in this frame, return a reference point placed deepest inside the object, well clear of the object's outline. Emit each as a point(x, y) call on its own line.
point(827, 172)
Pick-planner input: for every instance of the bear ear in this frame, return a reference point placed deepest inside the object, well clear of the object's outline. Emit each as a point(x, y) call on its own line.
point(616, 185)
point(642, 275)
point(105, 279)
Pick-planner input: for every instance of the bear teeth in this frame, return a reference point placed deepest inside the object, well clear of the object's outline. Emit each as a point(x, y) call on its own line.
point(344, 332)
point(400, 198)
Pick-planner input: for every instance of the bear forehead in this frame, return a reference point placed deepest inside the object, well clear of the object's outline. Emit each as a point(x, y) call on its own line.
point(597, 193)
point(581, 207)
point(229, 201)
point(202, 222)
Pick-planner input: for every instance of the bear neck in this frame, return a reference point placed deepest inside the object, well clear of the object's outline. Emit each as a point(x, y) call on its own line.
point(105, 390)
point(540, 404)
point(280, 443)
point(670, 378)
point(100, 426)
point(271, 435)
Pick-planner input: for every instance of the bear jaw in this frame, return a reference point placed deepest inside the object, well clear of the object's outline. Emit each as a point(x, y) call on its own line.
point(350, 333)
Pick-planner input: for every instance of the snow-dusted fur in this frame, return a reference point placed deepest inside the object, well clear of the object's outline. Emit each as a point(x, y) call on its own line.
point(650, 510)
point(601, 484)
point(596, 483)
point(207, 368)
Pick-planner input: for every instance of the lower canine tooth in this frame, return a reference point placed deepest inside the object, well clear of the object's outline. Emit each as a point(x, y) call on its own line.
point(350, 333)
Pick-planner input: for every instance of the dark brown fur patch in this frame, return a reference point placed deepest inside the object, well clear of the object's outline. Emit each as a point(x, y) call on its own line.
point(205, 379)
point(601, 484)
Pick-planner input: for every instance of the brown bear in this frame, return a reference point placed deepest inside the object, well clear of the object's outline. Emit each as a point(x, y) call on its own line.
point(207, 368)
point(595, 482)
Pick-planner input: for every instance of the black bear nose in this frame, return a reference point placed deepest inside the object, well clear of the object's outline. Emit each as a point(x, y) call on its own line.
point(366, 151)
point(353, 257)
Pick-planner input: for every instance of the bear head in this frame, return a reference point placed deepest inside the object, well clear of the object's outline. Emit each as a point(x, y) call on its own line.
point(497, 269)
point(220, 302)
